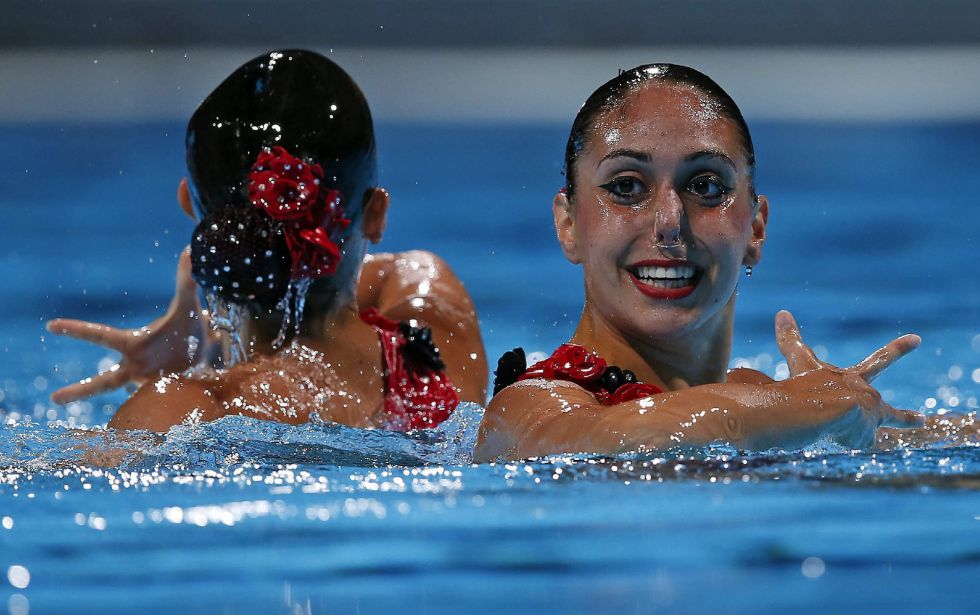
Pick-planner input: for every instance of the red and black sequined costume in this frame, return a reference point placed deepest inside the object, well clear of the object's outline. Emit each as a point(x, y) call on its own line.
point(573, 363)
point(418, 392)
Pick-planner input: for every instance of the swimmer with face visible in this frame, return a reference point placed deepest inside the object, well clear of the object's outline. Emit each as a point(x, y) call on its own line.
point(283, 172)
point(661, 211)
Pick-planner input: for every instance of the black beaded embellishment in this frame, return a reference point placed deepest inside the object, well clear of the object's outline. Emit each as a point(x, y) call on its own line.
point(513, 364)
point(614, 377)
point(419, 345)
point(510, 366)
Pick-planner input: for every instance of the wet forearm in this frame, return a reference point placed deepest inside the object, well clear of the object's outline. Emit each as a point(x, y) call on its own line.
point(750, 416)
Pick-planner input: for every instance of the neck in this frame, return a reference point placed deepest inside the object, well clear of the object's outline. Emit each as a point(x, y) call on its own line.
point(328, 318)
point(698, 356)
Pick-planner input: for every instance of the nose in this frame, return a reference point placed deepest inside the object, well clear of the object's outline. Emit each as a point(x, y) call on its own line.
point(667, 221)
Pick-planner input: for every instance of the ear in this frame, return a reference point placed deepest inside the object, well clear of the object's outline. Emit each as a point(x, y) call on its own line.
point(184, 199)
point(375, 215)
point(561, 208)
point(754, 252)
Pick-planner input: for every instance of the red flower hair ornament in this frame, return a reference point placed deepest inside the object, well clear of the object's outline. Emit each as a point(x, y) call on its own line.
point(288, 190)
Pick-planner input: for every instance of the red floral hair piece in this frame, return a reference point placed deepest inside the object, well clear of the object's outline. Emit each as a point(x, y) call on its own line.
point(288, 190)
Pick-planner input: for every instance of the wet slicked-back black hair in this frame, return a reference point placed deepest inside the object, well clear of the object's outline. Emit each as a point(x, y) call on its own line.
point(295, 99)
point(614, 92)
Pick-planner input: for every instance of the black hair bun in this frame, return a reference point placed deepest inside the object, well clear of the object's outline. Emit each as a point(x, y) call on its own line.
point(240, 255)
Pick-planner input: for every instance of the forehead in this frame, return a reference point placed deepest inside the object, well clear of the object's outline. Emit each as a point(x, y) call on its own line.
point(663, 119)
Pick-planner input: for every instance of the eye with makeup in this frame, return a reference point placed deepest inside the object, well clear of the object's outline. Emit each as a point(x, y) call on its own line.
point(709, 188)
point(625, 189)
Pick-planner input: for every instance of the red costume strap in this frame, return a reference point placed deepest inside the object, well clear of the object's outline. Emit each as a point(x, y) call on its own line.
point(573, 363)
point(416, 395)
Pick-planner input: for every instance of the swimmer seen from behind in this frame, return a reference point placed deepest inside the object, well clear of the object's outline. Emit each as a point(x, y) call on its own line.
point(283, 176)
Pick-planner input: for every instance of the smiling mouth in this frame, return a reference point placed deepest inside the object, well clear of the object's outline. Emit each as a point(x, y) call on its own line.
point(665, 279)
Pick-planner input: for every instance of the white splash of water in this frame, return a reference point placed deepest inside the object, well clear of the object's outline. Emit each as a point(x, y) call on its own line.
point(228, 317)
point(291, 306)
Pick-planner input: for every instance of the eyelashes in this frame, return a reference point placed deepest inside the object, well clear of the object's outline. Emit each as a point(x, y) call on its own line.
point(708, 189)
point(626, 189)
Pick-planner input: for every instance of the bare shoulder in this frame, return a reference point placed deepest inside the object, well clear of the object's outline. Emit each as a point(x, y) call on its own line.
point(419, 285)
point(414, 280)
point(168, 401)
point(375, 265)
point(744, 375)
point(404, 262)
point(533, 417)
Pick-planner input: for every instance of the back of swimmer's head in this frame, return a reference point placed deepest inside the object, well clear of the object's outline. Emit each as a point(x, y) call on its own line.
point(282, 146)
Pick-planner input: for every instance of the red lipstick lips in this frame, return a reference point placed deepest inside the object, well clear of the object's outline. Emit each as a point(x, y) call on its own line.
point(664, 279)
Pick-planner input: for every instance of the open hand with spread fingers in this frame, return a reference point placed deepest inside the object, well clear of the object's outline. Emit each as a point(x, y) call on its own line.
point(165, 345)
point(843, 403)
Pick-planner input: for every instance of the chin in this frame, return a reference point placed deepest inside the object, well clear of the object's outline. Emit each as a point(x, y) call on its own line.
point(659, 324)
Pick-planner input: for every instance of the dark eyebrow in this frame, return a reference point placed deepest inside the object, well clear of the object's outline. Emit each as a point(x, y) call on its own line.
point(626, 153)
point(710, 154)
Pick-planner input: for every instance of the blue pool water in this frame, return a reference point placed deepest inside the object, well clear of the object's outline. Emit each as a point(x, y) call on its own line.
point(873, 232)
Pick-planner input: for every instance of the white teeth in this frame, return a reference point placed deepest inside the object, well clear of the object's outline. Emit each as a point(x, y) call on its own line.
point(683, 272)
point(657, 283)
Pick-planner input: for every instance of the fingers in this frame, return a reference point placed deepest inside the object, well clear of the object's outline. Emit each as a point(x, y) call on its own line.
point(106, 381)
point(903, 419)
point(798, 355)
point(184, 199)
point(880, 359)
point(94, 332)
point(185, 293)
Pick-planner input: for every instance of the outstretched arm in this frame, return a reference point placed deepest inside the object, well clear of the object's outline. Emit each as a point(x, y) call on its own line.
point(174, 341)
point(169, 344)
point(535, 418)
point(419, 285)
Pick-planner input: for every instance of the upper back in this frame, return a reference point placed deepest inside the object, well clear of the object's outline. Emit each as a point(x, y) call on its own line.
point(290, 387)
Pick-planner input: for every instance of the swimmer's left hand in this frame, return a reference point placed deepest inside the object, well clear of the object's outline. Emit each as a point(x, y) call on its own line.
point(159, 347)
point(868, 411)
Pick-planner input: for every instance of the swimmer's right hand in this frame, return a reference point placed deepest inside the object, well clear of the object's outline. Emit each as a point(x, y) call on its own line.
point(160, 347)
point(840, 402)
